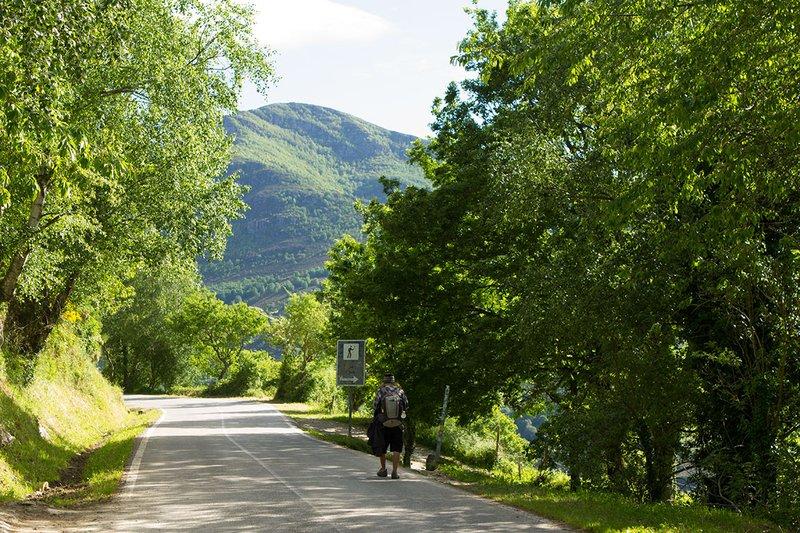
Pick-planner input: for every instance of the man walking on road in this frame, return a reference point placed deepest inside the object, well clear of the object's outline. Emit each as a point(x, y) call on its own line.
point(389, 409)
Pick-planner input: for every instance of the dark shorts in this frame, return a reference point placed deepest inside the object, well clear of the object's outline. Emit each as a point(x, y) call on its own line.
point(393, 438)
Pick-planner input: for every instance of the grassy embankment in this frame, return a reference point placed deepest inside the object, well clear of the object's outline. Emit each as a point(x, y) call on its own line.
point(547, 496)
point(67, 409)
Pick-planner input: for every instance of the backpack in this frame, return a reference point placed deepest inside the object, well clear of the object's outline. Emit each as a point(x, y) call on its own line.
point(392, 410)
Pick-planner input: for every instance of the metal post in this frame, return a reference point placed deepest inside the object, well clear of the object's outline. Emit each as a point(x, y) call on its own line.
point(350, 416)
point(441, 423)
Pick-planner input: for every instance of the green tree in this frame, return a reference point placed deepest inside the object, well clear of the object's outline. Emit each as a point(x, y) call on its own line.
point(612, 225)
point(302, 336)
point(113, 153)
point(140, 353)
point(684, 125)
point(217, 334)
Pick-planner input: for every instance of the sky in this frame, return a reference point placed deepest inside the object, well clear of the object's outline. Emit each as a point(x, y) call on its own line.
point(380, 60)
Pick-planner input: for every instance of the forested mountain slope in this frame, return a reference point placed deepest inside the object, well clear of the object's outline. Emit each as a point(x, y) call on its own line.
point(305, 165)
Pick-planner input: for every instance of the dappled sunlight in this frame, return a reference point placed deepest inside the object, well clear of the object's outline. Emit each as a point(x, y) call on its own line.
point(229, 465)
point(211, 431)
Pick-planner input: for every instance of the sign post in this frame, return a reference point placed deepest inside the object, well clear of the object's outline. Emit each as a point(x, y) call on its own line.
point(432, 460)
point(350, 371)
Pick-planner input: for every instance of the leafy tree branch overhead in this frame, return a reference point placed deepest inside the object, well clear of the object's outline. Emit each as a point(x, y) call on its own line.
point(113, 155)
point(613, 230)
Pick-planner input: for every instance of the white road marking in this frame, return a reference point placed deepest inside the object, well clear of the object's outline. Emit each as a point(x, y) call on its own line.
point(132, 475)
point(272, 473)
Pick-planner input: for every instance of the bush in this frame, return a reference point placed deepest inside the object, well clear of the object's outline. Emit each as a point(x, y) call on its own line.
point(293, 384)
point(476, 443)
point(462, 443)
point(256, 374)
point(787, 506)
point(266, 373)
point(323, 391)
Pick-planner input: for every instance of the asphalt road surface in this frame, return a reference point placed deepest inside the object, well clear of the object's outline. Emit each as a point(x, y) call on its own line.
point(234, 465)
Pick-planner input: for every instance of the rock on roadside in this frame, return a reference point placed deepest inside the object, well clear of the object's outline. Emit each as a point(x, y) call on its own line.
point(6, 438)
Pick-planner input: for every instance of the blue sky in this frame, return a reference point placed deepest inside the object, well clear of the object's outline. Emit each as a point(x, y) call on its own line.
point(381, 60)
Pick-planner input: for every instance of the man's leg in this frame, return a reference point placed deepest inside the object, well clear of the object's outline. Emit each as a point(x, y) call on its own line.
point(397, 447)
point(382, 472)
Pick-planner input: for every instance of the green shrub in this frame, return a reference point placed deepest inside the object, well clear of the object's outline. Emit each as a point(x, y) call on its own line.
point(256, 374)
point(323, 391)
point(313, 383)
point(266, 372)
point(476, 443)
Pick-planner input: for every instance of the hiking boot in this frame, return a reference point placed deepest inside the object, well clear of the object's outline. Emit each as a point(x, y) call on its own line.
point(395, 475)
point(382, 472)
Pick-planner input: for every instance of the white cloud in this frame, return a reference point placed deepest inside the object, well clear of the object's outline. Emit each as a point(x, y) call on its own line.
point(284, 24)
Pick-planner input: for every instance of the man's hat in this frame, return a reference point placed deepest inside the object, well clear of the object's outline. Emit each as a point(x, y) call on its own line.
point(388, 378)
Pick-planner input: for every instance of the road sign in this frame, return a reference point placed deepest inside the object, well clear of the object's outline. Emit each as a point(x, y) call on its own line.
point(350, 363)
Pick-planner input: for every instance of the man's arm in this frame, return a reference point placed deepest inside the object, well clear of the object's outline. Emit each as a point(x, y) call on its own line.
point(376, 401)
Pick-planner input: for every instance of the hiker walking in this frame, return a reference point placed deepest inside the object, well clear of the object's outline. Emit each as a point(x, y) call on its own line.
point(389, 410)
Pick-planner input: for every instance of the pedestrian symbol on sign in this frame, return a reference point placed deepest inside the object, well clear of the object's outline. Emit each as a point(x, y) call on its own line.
point(350, 352)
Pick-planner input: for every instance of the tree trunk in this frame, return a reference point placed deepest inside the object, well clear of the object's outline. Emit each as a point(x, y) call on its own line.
point(615, 468)
point(28, 323)
point(573, 458)
point(497, 446)
point(658, 464)
point(225, 367)
point(409, 441)
point(126, 371)
point(15, 267)
point(153, 374)
point(574, 479)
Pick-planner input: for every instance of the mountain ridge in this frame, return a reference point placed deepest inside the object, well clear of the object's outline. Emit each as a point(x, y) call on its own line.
point(306, 165)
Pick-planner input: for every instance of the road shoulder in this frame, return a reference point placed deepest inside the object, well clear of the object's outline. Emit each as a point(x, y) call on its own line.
point(336, 432)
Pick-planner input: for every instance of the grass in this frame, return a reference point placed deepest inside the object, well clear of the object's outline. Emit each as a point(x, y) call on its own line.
point(106, 465)
point(606, 513)
point(585, 510)
point(189, 391)
point(200, 391)
point(342, 440)
point(66, 409)
point(303, 411)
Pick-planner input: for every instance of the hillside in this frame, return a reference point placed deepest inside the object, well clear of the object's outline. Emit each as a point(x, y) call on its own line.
point(306, 166)
point(66, 409)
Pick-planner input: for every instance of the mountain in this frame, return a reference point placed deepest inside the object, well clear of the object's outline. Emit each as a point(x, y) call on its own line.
point(306, 166)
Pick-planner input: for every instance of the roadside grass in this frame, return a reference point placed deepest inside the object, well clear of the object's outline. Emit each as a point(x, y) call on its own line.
point(302, 411)
point(606, 513)
point(66, 409)
point(105, 467)
point(342, 440)
point(198, 391)
point(191, 392)
point(305, 411)
point(547, 497)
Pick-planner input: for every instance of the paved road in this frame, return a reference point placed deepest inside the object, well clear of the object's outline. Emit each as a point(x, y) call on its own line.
point(233, 465)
